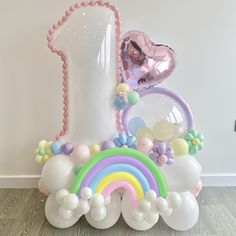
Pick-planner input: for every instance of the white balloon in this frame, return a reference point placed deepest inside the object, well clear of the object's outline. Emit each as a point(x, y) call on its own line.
point(144, 205)
point(107, 200)
point(127, 215)
point(53, 217)
point(174, 199)
point(98, 213)
point(183, 174)
point(83, 207)
point(186, 215)
point(60, 195)
point(97, 200)
point(151, 195)
point(58, 173)
point(64, 213)
point(86, 193)
point(161, 205)
point(70, 202)
point(137, 215)
point(92, 75)
point(167, 212)
point(151, 217)
point(113, 214)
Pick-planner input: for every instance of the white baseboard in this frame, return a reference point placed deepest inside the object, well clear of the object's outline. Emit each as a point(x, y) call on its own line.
point(19, 181)
point(219, 179)
point(31, 181)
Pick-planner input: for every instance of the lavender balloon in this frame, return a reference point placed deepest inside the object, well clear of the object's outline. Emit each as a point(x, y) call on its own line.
point(108, 144)
point(68, 148)
point(162, 153)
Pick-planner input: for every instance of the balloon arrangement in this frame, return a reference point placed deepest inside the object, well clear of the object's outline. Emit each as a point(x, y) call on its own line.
point(148, 169)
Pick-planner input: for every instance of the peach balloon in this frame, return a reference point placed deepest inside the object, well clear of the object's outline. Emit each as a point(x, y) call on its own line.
point(81, 154)
point(144, 145)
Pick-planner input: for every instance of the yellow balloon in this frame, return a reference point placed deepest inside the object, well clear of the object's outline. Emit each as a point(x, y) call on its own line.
point(39, 159)
point(144, 132)
point(48, 149)
point(180, 147)
point(122, 88)
point(163, 130)
point(42, 143)
point(95, 149)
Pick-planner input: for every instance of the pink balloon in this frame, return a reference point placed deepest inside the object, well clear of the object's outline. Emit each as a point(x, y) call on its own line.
point(42, 188)
point(144, 63)
point(197, 189)
point(81, 154)
point(144, 145)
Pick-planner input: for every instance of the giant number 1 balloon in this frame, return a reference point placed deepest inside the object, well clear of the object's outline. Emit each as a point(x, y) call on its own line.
point(86, 43)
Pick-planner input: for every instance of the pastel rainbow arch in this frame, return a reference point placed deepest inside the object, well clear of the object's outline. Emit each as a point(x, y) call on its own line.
point(121, 168)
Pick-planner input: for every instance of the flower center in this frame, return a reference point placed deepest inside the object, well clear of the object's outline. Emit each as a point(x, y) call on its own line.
point(196, 141)
point(163, 159)
point(42, 152)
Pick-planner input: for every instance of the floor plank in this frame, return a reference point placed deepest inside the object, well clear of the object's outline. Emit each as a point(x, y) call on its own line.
point(22, 213)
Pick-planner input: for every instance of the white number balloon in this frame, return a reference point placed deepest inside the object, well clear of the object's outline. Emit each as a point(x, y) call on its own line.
point(88, 41)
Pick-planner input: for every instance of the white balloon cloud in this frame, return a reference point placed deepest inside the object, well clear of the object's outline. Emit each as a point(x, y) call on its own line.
point(58, 173)
point(186, 215)
point(183, 174)
point(113, 209)
point(53, 214)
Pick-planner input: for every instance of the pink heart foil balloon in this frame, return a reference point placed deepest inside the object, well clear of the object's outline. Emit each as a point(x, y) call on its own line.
point(144, 63)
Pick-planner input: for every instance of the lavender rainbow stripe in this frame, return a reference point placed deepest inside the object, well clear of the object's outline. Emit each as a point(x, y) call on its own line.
point(120, 168)
point(120, 160)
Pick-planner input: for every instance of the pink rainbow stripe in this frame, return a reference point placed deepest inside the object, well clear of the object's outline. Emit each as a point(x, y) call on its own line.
point(122, 184)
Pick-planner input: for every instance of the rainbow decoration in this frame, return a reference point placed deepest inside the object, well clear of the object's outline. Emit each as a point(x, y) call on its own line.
point(121, 168)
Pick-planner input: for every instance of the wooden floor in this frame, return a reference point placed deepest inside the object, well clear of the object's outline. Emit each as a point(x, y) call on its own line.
point(22, 213)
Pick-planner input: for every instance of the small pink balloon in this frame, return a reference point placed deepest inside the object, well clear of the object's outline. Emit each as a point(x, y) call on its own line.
point(197, 189)
point(144, 145)
point(163, 159)
point(178, 131)
point(42, 188)
point(81, 154)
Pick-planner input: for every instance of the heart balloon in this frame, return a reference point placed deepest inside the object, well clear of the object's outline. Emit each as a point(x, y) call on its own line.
point(144, 63)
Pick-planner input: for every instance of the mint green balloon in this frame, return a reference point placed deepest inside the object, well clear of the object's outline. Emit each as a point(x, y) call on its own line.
point(133, 97)
point(42, 151)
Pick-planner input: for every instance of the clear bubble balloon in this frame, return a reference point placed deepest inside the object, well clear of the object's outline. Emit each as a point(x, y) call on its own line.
point(144, 132)
point(134, 124)
point(163, 130)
